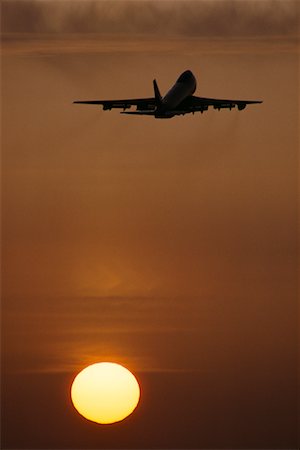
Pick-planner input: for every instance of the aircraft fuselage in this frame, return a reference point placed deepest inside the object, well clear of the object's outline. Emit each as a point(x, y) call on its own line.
point(183, 88)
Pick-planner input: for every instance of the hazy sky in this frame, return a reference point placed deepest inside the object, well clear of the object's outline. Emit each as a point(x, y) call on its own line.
point(168, 246)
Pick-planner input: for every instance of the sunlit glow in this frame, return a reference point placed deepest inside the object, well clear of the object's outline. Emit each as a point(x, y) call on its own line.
point(105, 392)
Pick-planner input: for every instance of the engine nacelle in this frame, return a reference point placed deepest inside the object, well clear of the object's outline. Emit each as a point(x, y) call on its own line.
point(241, 106)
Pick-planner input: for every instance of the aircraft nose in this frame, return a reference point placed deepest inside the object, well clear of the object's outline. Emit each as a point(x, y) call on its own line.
point(187, 75)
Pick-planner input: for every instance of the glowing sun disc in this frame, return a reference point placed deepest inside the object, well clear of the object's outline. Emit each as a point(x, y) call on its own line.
point(105, 392)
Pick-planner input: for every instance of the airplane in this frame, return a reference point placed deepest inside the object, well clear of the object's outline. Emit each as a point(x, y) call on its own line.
point(179, 100)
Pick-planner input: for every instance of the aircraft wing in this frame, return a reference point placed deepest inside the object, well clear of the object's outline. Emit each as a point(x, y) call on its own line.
point(145, 104)
point(193, 103)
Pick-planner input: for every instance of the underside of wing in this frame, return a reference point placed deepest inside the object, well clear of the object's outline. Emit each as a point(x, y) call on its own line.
point(193, 103)
point(144, 104)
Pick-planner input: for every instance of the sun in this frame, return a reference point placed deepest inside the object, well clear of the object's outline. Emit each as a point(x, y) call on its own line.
point(105, 392)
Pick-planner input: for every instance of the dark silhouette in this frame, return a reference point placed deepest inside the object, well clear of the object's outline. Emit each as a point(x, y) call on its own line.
point(179, 100)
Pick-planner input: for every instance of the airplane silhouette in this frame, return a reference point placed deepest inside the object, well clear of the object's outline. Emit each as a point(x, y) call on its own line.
point(179, 100)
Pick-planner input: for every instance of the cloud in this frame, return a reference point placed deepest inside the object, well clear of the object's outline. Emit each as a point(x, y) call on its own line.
point(207, 18)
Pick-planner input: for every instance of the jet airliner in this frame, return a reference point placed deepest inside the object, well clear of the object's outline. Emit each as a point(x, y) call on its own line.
point(179, 100)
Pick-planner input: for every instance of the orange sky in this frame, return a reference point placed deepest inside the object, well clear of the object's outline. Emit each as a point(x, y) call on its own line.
point(169, 246)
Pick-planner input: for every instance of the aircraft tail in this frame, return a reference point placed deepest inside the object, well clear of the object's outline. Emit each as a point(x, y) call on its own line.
point(157, 94)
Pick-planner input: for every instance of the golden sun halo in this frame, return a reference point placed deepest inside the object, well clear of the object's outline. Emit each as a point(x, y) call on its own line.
point(105, 392)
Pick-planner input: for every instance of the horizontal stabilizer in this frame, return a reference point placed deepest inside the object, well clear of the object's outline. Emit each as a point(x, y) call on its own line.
point(139, 113)
point(89, 102)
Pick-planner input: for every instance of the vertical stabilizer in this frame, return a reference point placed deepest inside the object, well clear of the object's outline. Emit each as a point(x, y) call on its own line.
point(157, 95)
